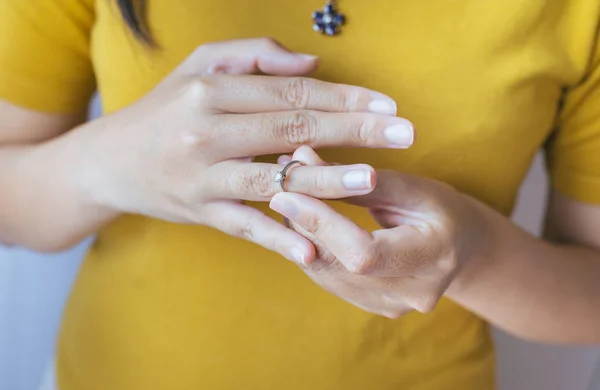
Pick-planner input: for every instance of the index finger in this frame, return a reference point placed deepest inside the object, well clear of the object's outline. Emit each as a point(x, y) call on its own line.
point(386, 253)
point(347, 241)
point(256, 94)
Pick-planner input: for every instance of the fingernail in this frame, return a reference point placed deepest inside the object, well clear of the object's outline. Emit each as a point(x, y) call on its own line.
point(297, 255)
point(400, 135)
point(307, 57)
point(383, 106)
point(283, 160)
point(282, 204)
point(357, 179)
point(284, 58)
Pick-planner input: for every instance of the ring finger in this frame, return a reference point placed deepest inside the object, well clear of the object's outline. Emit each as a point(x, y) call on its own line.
point(235, 179)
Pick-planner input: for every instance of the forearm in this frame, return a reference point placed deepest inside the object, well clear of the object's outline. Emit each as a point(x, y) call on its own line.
point(46, 202)
point(532, 288)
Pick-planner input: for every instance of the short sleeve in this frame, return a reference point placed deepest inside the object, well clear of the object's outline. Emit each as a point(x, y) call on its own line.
point(573, 153)
point(45, 54)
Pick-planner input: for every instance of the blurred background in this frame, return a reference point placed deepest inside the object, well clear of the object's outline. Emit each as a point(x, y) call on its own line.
point(33, 289)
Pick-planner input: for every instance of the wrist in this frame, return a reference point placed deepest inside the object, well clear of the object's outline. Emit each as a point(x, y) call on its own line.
point(51, 208)
point(87, 168)
point(484, 234)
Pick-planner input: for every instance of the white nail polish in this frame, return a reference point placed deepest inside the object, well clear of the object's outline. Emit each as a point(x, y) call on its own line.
point(400, 135)
point(308, 57)
point(357, 179)
point(385, 107)
point(297, 255)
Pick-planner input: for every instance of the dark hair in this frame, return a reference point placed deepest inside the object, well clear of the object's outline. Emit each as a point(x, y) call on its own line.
point(133, 14)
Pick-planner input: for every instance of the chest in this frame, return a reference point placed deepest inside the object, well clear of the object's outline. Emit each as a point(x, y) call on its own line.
point(481, 80)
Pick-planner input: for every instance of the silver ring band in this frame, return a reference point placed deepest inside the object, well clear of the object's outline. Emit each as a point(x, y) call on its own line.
point(282, 175)
point(280, 178)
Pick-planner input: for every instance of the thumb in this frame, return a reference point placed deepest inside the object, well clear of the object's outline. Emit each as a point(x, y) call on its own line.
point(307, 155)
point(248, 56)
point(394, 189)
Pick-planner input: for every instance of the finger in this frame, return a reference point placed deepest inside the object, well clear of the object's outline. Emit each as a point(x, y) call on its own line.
point(392, 187)
point(254, 94)
point(307, 155)
point(284, 159)
point(239, 220)
point(400, 191)
point(349, 243)
point(261, 134)
point(248, 56)
point(389, 253)
point(256, 181)
point(304, 154)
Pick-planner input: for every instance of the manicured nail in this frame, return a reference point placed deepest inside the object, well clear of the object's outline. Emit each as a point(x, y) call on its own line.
point(383, 106)
point(284, 206)
point(400, 135)
point(283, 160)
point(357, 179)
point(307, 57)
point(284, 58)
point(297, 255)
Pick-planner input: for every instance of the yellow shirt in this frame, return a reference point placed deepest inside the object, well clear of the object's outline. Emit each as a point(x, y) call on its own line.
point(162, 306)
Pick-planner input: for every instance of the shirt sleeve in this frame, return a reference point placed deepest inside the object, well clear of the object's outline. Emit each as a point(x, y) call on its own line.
point(573, 153)
point(45, 60)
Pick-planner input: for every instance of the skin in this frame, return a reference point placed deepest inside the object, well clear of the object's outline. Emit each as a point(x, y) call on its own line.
point(436, 241)
point(206, 121)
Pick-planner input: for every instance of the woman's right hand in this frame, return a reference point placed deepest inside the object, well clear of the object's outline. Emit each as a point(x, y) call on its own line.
point(184, 153)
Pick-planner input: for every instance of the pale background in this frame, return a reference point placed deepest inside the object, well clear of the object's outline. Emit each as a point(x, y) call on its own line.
point(33, 289)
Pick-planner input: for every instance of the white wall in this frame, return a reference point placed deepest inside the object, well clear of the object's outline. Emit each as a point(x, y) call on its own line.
point(33, 289)
point(32, 292)
point(528, 366)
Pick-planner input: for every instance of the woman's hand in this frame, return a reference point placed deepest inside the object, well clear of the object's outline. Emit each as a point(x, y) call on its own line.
point(430, 233)
point(184, 152)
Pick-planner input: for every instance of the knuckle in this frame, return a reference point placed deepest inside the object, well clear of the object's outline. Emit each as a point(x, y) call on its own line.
point(268, 43)
point(393, 314)
point(258, 183)
point(319, 180)
point(448, 263)
point(364, 263)
point(263, 183)
point(349, 99)
point(390, 307)
point(313, 224)
point(296, 92)
point(426, 302)
point(197, 136)
point(298, 129)
point(199, 89)
point(245, 231)
point(192, 141)
point(362, 132)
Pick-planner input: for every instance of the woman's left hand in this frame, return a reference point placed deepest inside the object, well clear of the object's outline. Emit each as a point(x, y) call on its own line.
point(430, 233)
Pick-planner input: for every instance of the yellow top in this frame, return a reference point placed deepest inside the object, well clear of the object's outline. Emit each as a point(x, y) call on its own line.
point(162, 306)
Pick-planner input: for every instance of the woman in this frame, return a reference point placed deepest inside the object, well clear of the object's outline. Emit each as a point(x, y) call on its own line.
point(170, 297)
